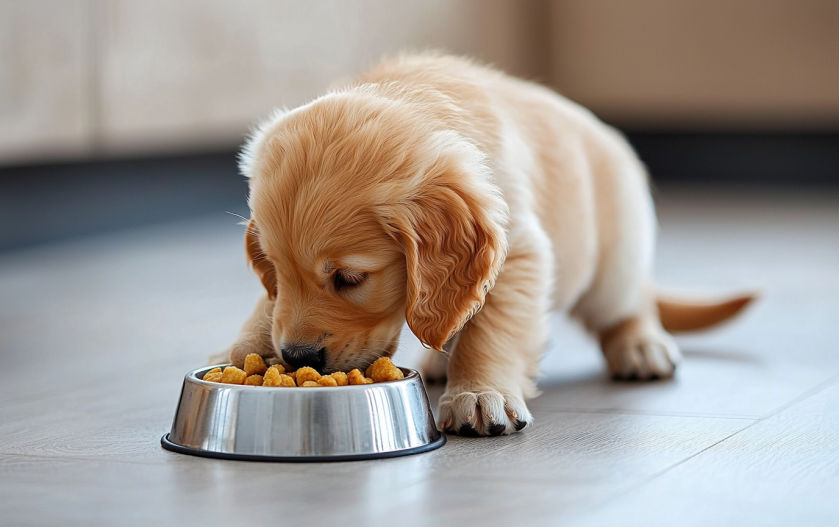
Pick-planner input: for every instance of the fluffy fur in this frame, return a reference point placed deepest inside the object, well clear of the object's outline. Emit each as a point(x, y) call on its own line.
point(467, 203)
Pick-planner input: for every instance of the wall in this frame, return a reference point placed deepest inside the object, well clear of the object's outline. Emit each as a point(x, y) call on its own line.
point(701, 64)
point(81, 78)
point(101, 78)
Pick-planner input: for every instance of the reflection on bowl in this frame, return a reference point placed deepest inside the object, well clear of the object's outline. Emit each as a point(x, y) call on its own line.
point(303, 424)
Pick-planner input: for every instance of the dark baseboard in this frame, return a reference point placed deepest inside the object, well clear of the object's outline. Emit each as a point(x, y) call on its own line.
point(47, 203)
point(740, 158)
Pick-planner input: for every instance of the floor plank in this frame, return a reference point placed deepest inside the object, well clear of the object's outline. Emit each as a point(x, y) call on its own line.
point(96, 335)
point(782, 471)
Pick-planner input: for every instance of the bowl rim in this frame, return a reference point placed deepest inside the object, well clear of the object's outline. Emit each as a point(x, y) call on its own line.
point(410, 374)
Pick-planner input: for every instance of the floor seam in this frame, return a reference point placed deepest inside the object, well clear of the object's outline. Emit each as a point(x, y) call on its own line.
point(804, 396)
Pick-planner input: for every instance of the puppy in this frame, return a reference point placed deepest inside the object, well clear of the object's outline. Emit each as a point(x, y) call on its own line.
point(468, 203)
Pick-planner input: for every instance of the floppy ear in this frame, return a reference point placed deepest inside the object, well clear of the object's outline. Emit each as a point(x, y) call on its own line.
point(452, 231)
point(263, 268)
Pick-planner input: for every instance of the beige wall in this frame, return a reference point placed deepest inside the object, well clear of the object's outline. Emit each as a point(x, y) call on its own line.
point(113, 77)
point(694, 64)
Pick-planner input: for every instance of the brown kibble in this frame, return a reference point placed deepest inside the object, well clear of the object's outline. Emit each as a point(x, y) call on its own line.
point(355, 377)
point(233, 375)
point(287, 382)
point(292, 374)
point(307, 374)
point(254, 365)
point(254, 380)
point(278, 367)
point(368, 380)
point(309, 384)
point(383, 370)
point(340, 378)
point(327, 380)
point(214, 370)
point(213, 376)
point(273, 378)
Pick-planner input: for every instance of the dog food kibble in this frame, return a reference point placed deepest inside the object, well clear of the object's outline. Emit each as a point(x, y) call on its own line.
point(355, 377)
point(327, 380)
point(233, 375)
point(276, 376)
point(307, 374)
point(254, 380)
point(383, 370)
point(272, 377)
point(254, 365)
point(213, 376)
point(340, 378)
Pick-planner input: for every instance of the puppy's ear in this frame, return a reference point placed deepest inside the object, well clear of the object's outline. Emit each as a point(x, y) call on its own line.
point(452, 229)
point(263, 267)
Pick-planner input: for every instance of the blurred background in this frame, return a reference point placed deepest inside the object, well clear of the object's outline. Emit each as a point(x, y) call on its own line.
point(121, 269)
point(112, 112)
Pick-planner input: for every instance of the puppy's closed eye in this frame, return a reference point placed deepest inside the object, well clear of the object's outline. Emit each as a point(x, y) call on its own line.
point(345, 279)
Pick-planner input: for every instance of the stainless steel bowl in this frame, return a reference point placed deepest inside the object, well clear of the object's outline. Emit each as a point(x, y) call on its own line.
point(303, 424)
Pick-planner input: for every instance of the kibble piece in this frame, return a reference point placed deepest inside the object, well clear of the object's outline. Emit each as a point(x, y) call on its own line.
point(287, 382)
point(340, 378)
point(383, 370)
point(254, 365)
point(368, 380)
point(254, 380)
point(292, 374)
point(214, 370)
point(278, 367)
point(233, 375)
point(355, 377)
point(213, 376)
point(307, 374)
point(309, 384)
point(272, 378)
point(327, 380)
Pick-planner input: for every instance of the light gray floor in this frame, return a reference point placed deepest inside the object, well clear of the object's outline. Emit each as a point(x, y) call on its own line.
point(96, 335)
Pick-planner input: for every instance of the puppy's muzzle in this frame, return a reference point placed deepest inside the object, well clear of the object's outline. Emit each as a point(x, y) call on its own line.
point(299, 356)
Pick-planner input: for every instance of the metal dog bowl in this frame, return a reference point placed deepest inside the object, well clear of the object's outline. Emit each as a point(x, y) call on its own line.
point(303, 424)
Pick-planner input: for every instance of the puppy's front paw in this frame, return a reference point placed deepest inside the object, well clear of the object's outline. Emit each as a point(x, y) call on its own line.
point(482, 413)
point(245, 346)
point(642, 355)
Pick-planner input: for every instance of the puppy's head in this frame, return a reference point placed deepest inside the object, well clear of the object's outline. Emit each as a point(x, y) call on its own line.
point(366, 214)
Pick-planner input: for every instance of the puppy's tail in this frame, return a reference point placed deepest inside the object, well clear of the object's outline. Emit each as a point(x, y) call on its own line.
point(683, 315)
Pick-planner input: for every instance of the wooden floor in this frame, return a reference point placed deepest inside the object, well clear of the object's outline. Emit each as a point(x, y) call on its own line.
point(95, 336)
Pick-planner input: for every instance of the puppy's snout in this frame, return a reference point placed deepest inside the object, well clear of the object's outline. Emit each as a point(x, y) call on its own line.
point(302, 355)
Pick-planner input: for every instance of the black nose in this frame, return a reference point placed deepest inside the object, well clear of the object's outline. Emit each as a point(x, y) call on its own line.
point(304, 355)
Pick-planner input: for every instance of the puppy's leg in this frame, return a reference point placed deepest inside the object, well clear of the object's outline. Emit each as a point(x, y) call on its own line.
point(638, 347)
point(496, 358)
point(254, 337)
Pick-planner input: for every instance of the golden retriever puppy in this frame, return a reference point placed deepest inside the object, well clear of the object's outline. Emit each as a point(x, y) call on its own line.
point(468, 203)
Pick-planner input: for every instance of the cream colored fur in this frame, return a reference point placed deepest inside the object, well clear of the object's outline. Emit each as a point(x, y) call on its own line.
point(549, 206)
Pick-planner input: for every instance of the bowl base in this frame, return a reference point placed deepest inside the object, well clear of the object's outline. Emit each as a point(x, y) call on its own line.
point(168, 445)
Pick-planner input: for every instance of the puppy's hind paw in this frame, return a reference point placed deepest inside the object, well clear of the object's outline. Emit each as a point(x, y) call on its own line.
point(485, 413)
point(644, 356)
